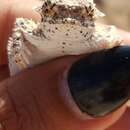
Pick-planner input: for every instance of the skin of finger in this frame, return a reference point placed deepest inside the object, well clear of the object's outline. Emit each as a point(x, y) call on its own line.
point(43, 83)
point(4, 72)
point(123, 123)
point(9, 11)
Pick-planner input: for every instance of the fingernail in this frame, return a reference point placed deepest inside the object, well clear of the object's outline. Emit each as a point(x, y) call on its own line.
point(100, 82)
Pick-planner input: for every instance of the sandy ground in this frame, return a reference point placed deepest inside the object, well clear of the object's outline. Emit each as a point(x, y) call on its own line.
point(117, 12)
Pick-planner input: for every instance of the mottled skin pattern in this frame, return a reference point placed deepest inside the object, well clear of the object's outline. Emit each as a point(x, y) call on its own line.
point(66, 28)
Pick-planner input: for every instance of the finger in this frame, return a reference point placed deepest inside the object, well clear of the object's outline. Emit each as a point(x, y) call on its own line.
point(123, 123)
point(4, 72)
point(10, 10)
point(44, 83)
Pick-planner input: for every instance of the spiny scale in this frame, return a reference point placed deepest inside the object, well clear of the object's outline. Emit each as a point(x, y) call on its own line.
point(67, 27)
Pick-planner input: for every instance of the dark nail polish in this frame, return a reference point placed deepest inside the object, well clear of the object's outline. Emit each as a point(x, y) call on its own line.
point(100, 82)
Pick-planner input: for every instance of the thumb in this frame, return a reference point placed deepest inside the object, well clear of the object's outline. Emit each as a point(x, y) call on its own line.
point(37, 97)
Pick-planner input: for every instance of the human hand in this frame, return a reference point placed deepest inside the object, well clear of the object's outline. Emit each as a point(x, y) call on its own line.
point(32, 100)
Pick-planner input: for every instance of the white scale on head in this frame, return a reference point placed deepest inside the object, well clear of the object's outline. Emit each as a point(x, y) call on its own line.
point(67, 27)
